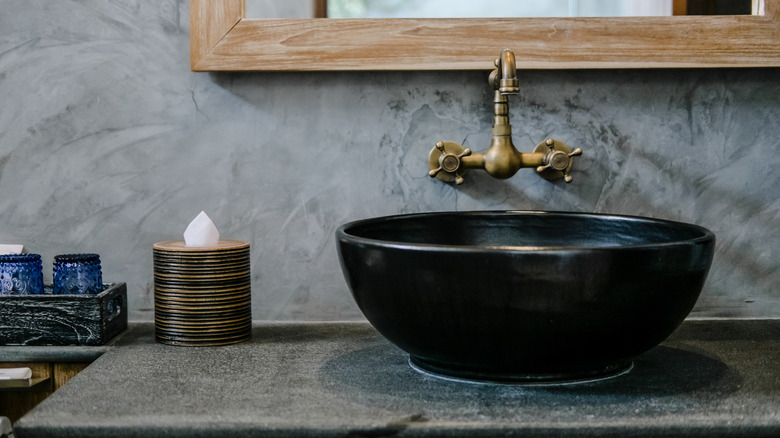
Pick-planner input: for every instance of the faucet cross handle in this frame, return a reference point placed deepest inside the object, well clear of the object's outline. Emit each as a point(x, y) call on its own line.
point(558, 160)
point(445, 156)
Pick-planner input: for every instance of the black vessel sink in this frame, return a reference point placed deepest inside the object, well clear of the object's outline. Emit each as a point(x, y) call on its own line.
point(524, 296)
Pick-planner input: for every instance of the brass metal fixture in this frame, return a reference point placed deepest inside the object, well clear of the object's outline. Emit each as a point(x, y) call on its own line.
point(553, 159)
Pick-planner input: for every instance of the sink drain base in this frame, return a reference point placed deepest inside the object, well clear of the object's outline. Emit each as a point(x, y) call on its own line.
point(441, 371)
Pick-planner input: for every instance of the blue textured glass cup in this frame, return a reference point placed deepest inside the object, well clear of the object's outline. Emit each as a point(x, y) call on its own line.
point(21, 274)
point(77, 274)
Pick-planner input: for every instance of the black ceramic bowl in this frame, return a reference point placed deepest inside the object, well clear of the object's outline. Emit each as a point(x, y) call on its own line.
point(524, 296)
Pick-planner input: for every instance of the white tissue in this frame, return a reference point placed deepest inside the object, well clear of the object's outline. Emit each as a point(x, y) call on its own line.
point(15, 373)
point(201, 232)
point(6, 248)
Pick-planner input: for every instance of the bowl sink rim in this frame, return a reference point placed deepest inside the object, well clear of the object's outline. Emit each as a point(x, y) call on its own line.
point(343, 233)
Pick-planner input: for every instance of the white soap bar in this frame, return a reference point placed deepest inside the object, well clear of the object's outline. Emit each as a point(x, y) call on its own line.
point(15, 373)
point(201, 232)
point(6, 248)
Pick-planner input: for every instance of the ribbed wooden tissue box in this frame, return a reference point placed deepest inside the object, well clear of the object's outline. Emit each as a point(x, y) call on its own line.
point(202, 295)
point(63, 319)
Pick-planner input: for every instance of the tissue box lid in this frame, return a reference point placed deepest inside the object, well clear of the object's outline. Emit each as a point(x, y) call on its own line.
point(180, 246)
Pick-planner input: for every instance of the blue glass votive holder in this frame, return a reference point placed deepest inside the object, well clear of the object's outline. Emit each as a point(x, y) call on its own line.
point(21, 274)
point(77, 274)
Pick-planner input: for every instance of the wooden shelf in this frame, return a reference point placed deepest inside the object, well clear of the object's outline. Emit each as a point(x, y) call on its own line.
point(36, 384)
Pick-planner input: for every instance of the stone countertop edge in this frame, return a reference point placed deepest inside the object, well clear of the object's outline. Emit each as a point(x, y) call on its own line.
point(710, 378)
point(59, 353)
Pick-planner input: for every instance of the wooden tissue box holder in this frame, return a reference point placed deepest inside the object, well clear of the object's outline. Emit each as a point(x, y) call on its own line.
point(63, 319)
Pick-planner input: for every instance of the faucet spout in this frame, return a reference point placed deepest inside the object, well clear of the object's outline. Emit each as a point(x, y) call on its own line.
point(504, 77)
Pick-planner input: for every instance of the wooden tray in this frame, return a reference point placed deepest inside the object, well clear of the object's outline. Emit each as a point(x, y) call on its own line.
point(63, 319)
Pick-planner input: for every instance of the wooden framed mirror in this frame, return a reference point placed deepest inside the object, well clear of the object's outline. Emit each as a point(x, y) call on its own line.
point(223, 39)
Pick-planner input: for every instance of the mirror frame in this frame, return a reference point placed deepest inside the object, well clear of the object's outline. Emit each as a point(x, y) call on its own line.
point(223, 39)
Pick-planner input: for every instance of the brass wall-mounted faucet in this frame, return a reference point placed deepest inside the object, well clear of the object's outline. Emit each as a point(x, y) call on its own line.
point(552, 159)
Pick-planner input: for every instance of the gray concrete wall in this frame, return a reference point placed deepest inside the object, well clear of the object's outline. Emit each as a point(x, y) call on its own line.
point(108, 143)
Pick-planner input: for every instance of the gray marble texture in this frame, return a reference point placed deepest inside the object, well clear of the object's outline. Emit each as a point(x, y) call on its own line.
point(109, 143)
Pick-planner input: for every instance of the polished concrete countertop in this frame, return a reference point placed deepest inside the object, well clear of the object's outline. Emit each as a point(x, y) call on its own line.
point(711, 378)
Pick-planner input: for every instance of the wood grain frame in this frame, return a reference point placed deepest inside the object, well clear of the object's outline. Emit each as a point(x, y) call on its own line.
point(223, 39)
